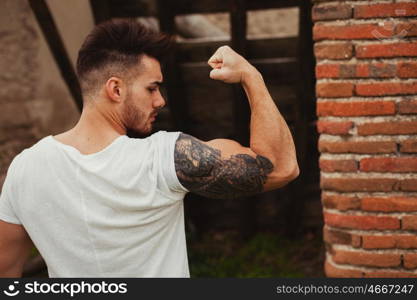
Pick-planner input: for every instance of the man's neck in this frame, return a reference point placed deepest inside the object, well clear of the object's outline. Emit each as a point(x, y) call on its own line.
point(94, 131)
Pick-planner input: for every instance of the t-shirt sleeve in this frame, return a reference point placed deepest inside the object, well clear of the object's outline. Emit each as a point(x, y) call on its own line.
point(7, 212)
point(166, 145)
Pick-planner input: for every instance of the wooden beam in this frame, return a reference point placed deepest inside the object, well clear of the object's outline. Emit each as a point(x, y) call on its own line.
point(56, 45)
point(133, 8)
point(305, 110)
point(241, 109)
point(278, 71)
point(272, 4)
point(177, 101)
point(101, 10)
point(241, 105)
point(198, 50)
point(138, 8)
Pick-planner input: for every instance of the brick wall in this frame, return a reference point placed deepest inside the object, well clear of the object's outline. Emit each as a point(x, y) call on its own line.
point(366, 106)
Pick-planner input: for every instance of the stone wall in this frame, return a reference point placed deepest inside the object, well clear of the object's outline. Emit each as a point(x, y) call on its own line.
point(366, 104)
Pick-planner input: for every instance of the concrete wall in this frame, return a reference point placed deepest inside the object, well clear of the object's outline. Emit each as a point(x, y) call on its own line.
point(34, 99)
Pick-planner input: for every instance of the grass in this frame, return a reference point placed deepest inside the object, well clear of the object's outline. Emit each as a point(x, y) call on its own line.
point(219, 255)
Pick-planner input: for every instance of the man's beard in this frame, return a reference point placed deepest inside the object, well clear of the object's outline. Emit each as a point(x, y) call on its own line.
point(135, 120)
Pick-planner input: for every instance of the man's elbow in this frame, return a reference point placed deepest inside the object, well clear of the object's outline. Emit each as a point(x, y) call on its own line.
point(295, 173)
point(290, 175)
point(282, 178)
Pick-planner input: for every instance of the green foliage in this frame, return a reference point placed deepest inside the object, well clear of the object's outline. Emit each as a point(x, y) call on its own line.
point(265, 255)
point(33, 252)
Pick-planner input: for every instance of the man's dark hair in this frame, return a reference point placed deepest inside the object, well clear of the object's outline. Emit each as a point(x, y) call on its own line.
point(113, 48)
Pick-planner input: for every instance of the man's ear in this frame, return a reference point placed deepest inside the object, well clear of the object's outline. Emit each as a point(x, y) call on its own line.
point(115, 89)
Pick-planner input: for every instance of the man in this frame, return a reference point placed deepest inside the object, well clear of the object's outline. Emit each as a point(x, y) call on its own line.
point(97, 203)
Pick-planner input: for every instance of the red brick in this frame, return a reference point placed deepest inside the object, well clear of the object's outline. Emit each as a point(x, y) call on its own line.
point(388, 164)
point(359, 184)
point(378, 242)
point(389, 204)
point(349, 32)
point(366, 108)
point(338, 272)
point(361, 222)
point(408, 185)
point(385, 10)
point(406, 241)
point(410, 260)
point(333, 51)
point(337, 237)
point(360, 70)
point(406, 29)
point(331, 12)
point(340, 202)
point(357, 147)
point(327, 71)
point(378, 70)
point(409, 222)
point(404, 127)
point(356, 241)
point(407, 69)
point(367, 258)
point(385, 88)
point(336, 128)
point(408, 146)
point(381, 70)
point(386, 50)
point(339, 165)
point(401, 241)
point(407, 107)
point(389, 274)
point(334, 89)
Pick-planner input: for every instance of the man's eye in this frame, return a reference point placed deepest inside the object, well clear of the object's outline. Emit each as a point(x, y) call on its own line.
point(152, 89)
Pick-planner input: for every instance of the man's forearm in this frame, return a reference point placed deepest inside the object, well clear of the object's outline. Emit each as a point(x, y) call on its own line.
point(269, 133)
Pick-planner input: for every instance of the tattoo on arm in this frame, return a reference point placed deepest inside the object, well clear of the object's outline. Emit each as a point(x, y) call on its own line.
point(201, 170)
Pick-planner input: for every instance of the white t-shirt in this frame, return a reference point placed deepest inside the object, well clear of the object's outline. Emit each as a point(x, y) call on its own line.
point(115, 213)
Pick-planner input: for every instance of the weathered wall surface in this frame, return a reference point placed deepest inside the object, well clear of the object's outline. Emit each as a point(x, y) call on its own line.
point(34, 100)
point(366, 90)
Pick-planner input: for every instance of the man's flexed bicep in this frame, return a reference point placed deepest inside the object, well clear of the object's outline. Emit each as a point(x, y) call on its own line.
point(222, 168)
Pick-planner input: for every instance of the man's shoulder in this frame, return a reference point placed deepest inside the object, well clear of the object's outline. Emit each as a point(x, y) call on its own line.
point(162, 134)
point(36, 148)
point(30, 152)
point(158, 137)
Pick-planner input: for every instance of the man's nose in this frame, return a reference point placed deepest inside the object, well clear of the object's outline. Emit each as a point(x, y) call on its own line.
point(159, 102)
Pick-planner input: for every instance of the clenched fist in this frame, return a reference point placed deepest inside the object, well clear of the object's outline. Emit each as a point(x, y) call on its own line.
point(228, 66)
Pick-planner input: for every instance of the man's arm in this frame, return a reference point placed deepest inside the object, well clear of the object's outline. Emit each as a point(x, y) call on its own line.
point(207, 168)
point(223, 168)
point(15, 246)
